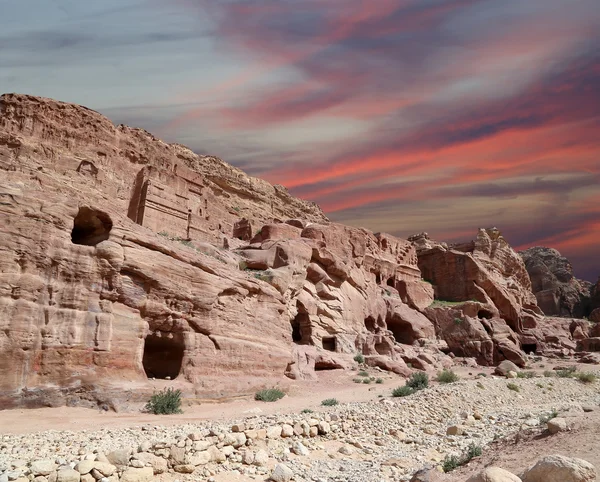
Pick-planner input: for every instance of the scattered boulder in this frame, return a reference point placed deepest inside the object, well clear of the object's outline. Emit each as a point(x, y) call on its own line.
point(494, 474)
point(505, 367)
point(282, 473)
point(558, 468)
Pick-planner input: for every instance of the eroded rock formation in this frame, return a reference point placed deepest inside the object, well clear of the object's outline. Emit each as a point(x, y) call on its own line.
point(124, 259)
point(557, 290)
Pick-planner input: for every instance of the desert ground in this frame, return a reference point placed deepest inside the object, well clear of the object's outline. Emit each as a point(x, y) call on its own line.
point(368, 436)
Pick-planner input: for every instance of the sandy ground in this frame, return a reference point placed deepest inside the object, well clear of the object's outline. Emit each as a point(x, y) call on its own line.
point(331, 384)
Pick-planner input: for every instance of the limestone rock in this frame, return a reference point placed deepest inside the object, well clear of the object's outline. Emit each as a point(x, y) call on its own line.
point(494, 474)
point(558, 468)
point(282, 473)
point(68, 475)
point(558, 424)
point(42, 467)
point(137, 475)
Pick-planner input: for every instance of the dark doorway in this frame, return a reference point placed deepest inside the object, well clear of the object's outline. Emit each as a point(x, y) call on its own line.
point(329, 343)
point(163, 355)
point(391, 282)
point(529, 348)
point(90, 227)
point(301, 329)
point(485, 314)
point(370, 324)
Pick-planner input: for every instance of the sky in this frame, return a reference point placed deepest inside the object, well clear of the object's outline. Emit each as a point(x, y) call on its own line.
point(400, 116)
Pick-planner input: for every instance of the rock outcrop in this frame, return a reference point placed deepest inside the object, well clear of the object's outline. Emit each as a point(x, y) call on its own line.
point(125, 260)
point(557, 290)
point(485, 308)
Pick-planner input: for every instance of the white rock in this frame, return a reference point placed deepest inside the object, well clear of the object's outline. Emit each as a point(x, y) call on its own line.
point(261, 458)
point(68, 475)
point(43, 467)
point(282, 473)
point(494, 474)
point(557, 468)
point(299, 449)
point(137, 475)
point(558, 424)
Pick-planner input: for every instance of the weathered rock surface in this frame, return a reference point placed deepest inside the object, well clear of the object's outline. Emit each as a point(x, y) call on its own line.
point(557, 290)
point(114, 270)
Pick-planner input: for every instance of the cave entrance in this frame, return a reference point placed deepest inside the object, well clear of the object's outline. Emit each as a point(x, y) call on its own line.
point(529, 348)
point(329, 343)
point(301, 329)
point(488, 315)
point(163, 355)
point(370, 324)
point(90, 227)
point(391, 282)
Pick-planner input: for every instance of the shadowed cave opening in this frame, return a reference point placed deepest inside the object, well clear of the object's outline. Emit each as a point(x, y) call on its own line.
point(163, 355)
point(529, 348)
point(301, 329)
point(485, 314)
point(90, 227)
point(329, 343)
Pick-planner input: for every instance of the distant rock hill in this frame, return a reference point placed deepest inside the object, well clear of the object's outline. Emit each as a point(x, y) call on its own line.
point(128, 264)
point(557, 290)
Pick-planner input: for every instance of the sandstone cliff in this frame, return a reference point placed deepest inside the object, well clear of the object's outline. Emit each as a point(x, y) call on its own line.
point(124, 259)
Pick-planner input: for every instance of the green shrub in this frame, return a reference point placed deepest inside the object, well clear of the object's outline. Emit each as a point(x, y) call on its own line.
point(586, 377)
point(357, 380)
point(458, 321)
point(447, 376)
point(363, 374)
point(165, 402)
point(549, 374)
point(450, 463)
point(514, 387)
point(379, 380)
point(359, 358)
point(473, 451)
point(367, 380)
point(307, 410)
point(269, 395)
point(402, 391)
point(418, 381)
point(329, 402)
point(525, 374)
point(566, 372)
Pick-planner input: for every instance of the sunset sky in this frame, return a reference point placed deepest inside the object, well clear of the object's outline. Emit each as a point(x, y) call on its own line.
point(397, 115)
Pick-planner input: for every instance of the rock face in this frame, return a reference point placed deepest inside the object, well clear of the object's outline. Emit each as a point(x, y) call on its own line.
point(485, 306)
point(557, 291)
point(114, 271)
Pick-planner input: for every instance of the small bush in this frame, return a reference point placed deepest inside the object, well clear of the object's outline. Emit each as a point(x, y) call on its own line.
point(165, 403)
point(307, 410)
point(329, 402)
point(586, 377)
point(358, 358)
point(549, 374)
point(480, 385)
point(447, 376)
point(363, 374)
point(548, 417)
point(525, 374)
point(450, 463)
point(473, 451)
point(357, 380)
point(458, 321)
point(402, 391)
point(367, 380)
point(418, 381)
point(269, 395)
point(566, 372)
point(539, 385)
point(379, 380)
point(514, 387)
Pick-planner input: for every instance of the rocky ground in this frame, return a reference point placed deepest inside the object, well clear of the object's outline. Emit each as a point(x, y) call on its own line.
point(377, 439)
